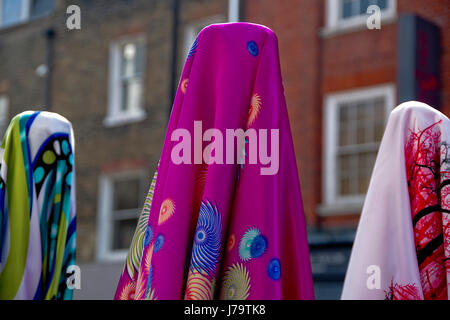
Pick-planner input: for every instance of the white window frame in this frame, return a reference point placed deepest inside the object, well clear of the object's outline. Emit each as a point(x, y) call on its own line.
point(332, 203)
point(334, 22)
point(233, 10)
point(25, 14)
point(4, 114)
point(192, 29)
point(105, 253)
point(116, 117)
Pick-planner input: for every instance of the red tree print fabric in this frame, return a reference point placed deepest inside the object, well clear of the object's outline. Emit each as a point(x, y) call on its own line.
point(428, 180)
point(402, 246)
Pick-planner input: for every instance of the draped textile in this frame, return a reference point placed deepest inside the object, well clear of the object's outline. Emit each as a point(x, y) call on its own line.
point(37, 207)
point(224, 230)
point(402, 245)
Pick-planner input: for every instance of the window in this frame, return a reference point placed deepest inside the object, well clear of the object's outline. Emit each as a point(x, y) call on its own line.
point(344, 14)
point(17, 11)
point(354, 126)
point(121, 199)
point(41, 7)
point(4, 106)
point(126, 89)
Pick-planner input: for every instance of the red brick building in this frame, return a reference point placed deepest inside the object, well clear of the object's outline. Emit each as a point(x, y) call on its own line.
point(114, 80)
point(341, 80)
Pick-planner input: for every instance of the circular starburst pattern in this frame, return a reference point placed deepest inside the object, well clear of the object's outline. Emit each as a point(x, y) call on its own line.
point(166, 211)
point(207, 240)
point(255, 108)
point(252, 245)
point(236, 283)
point(199, 287)
point(231, 242)
point(128, 291)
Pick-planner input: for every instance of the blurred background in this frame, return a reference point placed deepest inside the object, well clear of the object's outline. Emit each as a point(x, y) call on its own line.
point(116, 76)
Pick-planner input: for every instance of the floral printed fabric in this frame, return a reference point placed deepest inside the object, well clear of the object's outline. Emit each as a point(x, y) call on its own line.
point(224, 231)
point(402, 246)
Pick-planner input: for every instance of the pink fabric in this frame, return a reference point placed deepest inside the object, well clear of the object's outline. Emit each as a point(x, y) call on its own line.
point(231, 79)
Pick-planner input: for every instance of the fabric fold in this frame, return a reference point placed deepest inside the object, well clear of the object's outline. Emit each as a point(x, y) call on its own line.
point(402, 245)
point(224, 226)
point(37, 207)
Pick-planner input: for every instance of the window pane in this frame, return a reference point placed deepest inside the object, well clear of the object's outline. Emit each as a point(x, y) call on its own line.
point(346, 173)
point(123, 233)
point(41, 7)
point(11, 11)
point(382, 4)
point(363, 5)
point(132, 59)
point(139, 61)
point(379, 119)
point(365, 166)
point(364, 123)
point(131, 94)
point(363, 184)
point(345, 132)
point(344, 186)
point(347, 8)
point(3, 115)
point(127, 194)
point(344, 163)
point(361, 127)
point(128, 59)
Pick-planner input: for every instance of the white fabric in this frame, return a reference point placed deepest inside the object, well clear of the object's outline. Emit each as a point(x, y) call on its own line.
point(385, 240)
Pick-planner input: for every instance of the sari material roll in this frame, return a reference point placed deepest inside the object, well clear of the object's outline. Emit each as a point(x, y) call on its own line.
point(402, 245)
point(37, 207)
point(212, 228)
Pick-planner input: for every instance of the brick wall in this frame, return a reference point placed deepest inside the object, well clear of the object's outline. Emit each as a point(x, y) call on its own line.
point(437, 11)
point(80, 86)
point(296, 24)
point(314, 65)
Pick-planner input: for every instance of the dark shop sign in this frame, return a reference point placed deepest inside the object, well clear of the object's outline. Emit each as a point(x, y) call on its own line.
point(329, 262)
point(418, 60)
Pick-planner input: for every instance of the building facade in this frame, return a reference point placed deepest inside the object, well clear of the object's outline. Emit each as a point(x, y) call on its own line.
point(114, 79)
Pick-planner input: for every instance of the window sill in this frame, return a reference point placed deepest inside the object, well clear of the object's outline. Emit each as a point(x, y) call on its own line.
point(21, 22)
point(123, 119)
point(343, 208)
point(353, 26)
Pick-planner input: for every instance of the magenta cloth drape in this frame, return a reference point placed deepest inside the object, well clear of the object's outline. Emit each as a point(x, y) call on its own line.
point(224, 231)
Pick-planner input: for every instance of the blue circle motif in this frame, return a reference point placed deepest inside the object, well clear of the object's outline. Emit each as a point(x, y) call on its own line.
point(159, 242)
point(65, 147)
point(274, 269)
point(38, 174)
point(69, 179)
point(148, 235)
point(258, 246)
point(252, 48)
